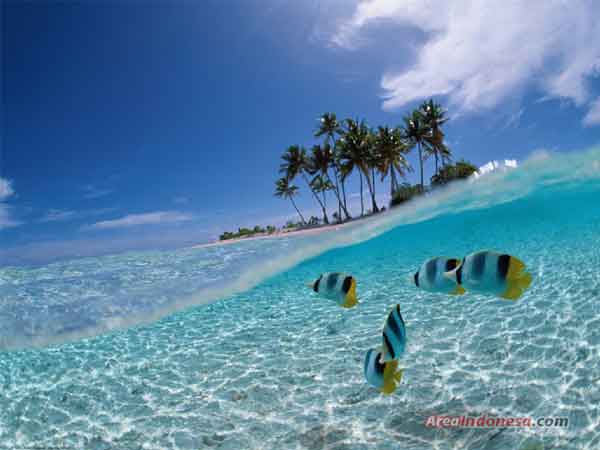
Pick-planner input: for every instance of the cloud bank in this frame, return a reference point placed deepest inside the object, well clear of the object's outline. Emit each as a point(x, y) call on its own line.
point(480, 53)
point(131, 220)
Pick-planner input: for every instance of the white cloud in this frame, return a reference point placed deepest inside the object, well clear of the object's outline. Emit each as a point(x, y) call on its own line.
point(514, 119)
point(480, 53)
point(57, 215)
point(61, 215)
point(131, 220)
point(6, 191)
point(593, 115)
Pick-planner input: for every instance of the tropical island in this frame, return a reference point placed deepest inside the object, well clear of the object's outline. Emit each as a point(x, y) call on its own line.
point(350, 146)
point(247, 232)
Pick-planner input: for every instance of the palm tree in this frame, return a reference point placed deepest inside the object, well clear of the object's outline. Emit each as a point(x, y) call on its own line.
point(346, 168)
point(322, 185)
point(370, 163)
point(372, 158)
point(416, 132)
point(445, 156)
point(348, 158)
point(354, 153)
point(329, 127)
point(390, 150)
point(337, 164)
point(286, 190)
point(319, 163)
point(434, 117)
point(295, 163)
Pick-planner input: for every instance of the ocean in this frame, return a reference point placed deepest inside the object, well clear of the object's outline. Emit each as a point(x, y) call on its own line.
point(226, 348)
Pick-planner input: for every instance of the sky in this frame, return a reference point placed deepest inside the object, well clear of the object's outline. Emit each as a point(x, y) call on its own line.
point(133, 125)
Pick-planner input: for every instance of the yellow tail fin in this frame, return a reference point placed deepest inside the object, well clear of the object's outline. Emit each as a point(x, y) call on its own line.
point(515, 268)
point(515, 287)
point(391, 377)
point(458, 291)
point(351, 299)
point(398, 375)
point(517, 280)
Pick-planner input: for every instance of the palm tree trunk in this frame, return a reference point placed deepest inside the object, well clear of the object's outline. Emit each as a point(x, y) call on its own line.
point(343, 183)
point(371, 186)
point(337, 194)
point(362, 204)
point(436, 161)
point(337, 185)
point(420, 163)
point(393, 182)
point(325, 219)
point(298, 211)
point(373, 178)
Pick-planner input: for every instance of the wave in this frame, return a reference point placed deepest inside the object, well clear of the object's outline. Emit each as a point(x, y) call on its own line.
point(83, 298)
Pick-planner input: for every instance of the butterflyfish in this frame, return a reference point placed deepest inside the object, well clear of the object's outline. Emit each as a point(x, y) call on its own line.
point(336, 286)
point(491, 272)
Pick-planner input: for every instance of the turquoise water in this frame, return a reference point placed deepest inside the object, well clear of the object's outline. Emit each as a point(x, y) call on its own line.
point(225, 348)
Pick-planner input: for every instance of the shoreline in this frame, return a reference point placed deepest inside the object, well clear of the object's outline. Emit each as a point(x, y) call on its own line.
point(282, 234)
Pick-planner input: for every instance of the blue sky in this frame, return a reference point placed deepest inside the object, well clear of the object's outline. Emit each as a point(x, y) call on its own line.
point(131, 126)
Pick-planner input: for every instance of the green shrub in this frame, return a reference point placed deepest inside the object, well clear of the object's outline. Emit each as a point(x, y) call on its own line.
point(462, 169)
point(246, 232)
point(404, 193)
point(226, 235)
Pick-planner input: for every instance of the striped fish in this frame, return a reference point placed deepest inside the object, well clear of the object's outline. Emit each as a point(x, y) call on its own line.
point(394, 335)
point(492, 273)
point(430, 277)
point(336, 286)
point(383, 376)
